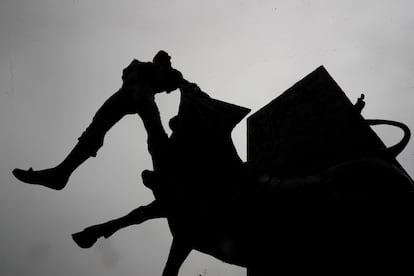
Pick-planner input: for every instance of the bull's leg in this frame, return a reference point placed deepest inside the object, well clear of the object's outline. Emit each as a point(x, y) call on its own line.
point(178, 253)
point(90, 235)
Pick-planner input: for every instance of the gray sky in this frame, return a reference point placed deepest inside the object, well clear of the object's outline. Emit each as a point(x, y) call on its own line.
point(59, 60)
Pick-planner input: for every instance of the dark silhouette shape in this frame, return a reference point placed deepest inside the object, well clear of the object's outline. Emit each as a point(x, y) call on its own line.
point(141, 81)
point(360, 104)
point(348, 209)
point(90, 235)
point(201, 121)
point(319, 189)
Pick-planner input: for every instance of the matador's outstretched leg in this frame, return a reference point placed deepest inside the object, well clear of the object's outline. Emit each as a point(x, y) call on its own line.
point(141, 81)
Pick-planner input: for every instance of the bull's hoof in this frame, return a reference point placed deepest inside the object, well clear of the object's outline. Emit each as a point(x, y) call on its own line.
point(86, 238)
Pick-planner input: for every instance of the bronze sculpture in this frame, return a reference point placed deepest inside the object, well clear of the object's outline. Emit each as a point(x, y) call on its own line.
point(350, 215)
point(300, 204)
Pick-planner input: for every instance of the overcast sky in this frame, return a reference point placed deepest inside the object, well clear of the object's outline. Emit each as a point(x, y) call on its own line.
point(59, 61)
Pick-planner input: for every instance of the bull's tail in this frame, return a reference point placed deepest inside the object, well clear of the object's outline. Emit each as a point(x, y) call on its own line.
point(396, 149)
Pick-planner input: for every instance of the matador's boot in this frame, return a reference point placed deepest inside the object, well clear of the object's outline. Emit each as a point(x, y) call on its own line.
point(57, 177)
point(51, 178)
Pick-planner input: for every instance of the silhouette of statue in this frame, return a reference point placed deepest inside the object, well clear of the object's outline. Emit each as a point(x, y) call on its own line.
point(141, 81)
point(221, 206)
point(350, 214)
